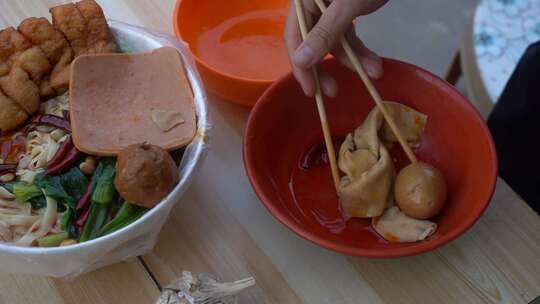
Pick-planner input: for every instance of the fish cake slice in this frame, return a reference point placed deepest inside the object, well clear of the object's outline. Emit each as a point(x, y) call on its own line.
point(40, 32)
point(11, 114)
point(113, 98)
point(68, 19)
point(19, 87)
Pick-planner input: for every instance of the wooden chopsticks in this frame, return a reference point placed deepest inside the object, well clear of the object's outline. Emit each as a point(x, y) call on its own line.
point(320, 102)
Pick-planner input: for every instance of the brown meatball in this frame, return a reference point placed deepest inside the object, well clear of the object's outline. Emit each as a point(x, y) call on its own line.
point(145, 174)
point(420, 190)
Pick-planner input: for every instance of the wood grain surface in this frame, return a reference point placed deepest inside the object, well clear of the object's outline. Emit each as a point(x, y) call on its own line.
point(220, 227)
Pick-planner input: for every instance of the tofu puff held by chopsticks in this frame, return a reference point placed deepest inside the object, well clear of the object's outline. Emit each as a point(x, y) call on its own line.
point(85, 27)
point(40, 32)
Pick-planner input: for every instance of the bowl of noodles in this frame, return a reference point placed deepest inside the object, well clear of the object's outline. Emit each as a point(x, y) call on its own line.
point(42, 229)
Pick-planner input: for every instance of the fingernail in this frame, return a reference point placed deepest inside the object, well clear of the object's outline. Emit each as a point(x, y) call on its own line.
point(330, 87)
point(373, 68)
point(309, 92)
point(303, 57)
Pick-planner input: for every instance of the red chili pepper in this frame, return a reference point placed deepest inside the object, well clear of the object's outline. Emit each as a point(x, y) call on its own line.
point(52, 120)
point(82, 218)
point(55, 121)
point(83, 206)
point(5, 169)
point(18, 147)
point(65, 147)
point(84, 202)
point(4, 149)
point(11, 149)
point(72, 156)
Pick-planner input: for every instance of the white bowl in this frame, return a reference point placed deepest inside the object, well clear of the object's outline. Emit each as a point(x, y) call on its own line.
point(141, 236)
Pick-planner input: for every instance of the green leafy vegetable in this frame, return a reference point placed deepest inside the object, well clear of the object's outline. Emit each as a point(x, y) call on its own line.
point(96, 219)
point(127, 214)
point(103, 197)
point(64, 221)
point(9, 187)
point(74, 183)
point(52, 186)
point(104, 191)
point(52, 240)
point(40, 202)
point(24, 191)
point(66, 188)
point(67, 223)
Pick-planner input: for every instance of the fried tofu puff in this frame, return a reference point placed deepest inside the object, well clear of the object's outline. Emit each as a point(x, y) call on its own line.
point(11, 114)
point(19, 87)
point(34, 62)
point(68, 19)
point(42, 33)
point(15, 83)
point(85, 27)
point(11, 42)
point(99, 39)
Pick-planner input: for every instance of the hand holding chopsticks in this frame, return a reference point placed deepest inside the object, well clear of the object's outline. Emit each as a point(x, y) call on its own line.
point(372, 90)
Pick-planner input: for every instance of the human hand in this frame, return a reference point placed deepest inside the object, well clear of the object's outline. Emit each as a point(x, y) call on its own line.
point(324, 37)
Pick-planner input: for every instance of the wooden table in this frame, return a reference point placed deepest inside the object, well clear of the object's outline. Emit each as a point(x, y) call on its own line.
point(221, 228)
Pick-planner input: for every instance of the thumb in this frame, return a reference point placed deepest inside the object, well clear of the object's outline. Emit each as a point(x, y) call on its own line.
point(324, 35)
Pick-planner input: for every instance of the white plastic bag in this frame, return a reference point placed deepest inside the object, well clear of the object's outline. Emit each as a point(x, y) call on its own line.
point(141, 236)
point(202, 289)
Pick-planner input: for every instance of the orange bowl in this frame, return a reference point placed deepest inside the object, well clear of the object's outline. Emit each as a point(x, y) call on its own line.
point(284, 125)
point(238, 44)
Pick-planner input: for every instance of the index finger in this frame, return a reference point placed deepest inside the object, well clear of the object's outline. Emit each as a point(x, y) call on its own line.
point(292, 40)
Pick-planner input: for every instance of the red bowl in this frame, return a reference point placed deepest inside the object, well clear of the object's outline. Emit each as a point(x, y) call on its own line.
point(284, 124)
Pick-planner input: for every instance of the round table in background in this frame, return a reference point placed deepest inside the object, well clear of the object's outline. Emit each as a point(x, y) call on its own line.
point(499, 34)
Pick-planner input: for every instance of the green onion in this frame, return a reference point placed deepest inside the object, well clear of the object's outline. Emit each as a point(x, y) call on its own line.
point(52, 240)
